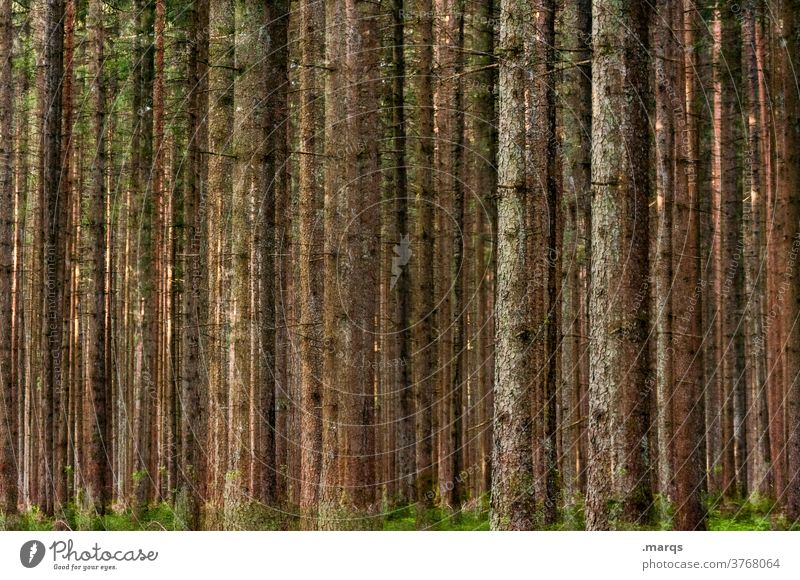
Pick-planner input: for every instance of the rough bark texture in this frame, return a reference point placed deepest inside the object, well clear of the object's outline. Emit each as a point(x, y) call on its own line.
point(513, 501)
point(618, 479)
point(480, 137)
point(758, 475)
point(335, 338)
point(52, 251)
point(424, 347)
point(311, 240)
point(220, 192)
point(667, 100)
point(688, 453)
point(788, 205)
point(8, 412)
point(575, 93)
point(727, 243)
point(97, 412)
point(194, 378)
point(356, 281)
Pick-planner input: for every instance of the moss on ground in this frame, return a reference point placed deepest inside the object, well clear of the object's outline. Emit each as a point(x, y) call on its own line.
point(752, 514)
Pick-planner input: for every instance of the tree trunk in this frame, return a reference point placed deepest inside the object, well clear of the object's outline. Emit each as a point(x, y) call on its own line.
point(687, 389)
point(481, 137)
point(618, 479)
point(311, 255)
point(727, 275)
point(335, 220)
point(96, 417)
point(194, 380)
point(788, 241)
point(576, 119)
point(758, 474)
point(220, 192)
point(667, 100)
point(397, 359)
point(424, 349)
point(8, 403)
point(53, 222)
point(513, 502)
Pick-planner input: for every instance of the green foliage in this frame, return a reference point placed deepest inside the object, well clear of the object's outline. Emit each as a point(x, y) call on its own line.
point(572, 517)
point(664, 511)
point(754, 514)
point(80, 516)
point(405, 519)
point(34, 520)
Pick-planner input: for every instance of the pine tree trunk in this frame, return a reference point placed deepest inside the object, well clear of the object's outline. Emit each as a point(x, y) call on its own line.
point(220, 192)
point(194, 380)
point(513, 502)
point(96, 416)
point(788, 206)
point(667, 100)
point(397, 359)
point(727, 276)
point(334, 339)
point(274, 168)
point(53, 222)
point(357, 277)
point(576, 118)
point(8, 403)
point(753, 225)
point(449, 123)
point(311, 255)
point(544, 248)
point(618, 479)
point(423, 346)
point(687, 390)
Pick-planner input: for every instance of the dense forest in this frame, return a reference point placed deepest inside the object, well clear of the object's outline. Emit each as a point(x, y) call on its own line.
point(367, 264)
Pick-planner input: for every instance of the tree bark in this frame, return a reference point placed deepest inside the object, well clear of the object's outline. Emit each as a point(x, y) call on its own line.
point(513, 500)
point(96, 416)
point(53, 222)
point(758, 474)
point(576, 119)
point(618, 479)
point(424, 348)
point(8, 402)
point(311, 254)
point(194, 379)
point(688, 453)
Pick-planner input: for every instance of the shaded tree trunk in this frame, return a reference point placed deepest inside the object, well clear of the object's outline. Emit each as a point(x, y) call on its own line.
point(618, 479)
point(311, 134)
point(96, 416)
point(194, 379)
point(423, 346)
point(576, 118)
point(688, 453)
point(8, 402)
point(758, 474)
point(52, 252)
point(220, 170)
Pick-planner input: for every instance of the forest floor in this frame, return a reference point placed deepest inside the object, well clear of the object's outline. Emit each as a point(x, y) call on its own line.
point(730, 516)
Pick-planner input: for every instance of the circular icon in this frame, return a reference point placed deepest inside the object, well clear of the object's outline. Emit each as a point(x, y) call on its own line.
point(31, 553)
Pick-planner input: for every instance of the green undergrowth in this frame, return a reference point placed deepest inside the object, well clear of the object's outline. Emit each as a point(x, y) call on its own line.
point(752, 514)
point(405, 519)
point(75, 518)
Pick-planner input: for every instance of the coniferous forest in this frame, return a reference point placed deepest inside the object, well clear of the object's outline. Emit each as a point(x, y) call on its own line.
point(400, 264)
